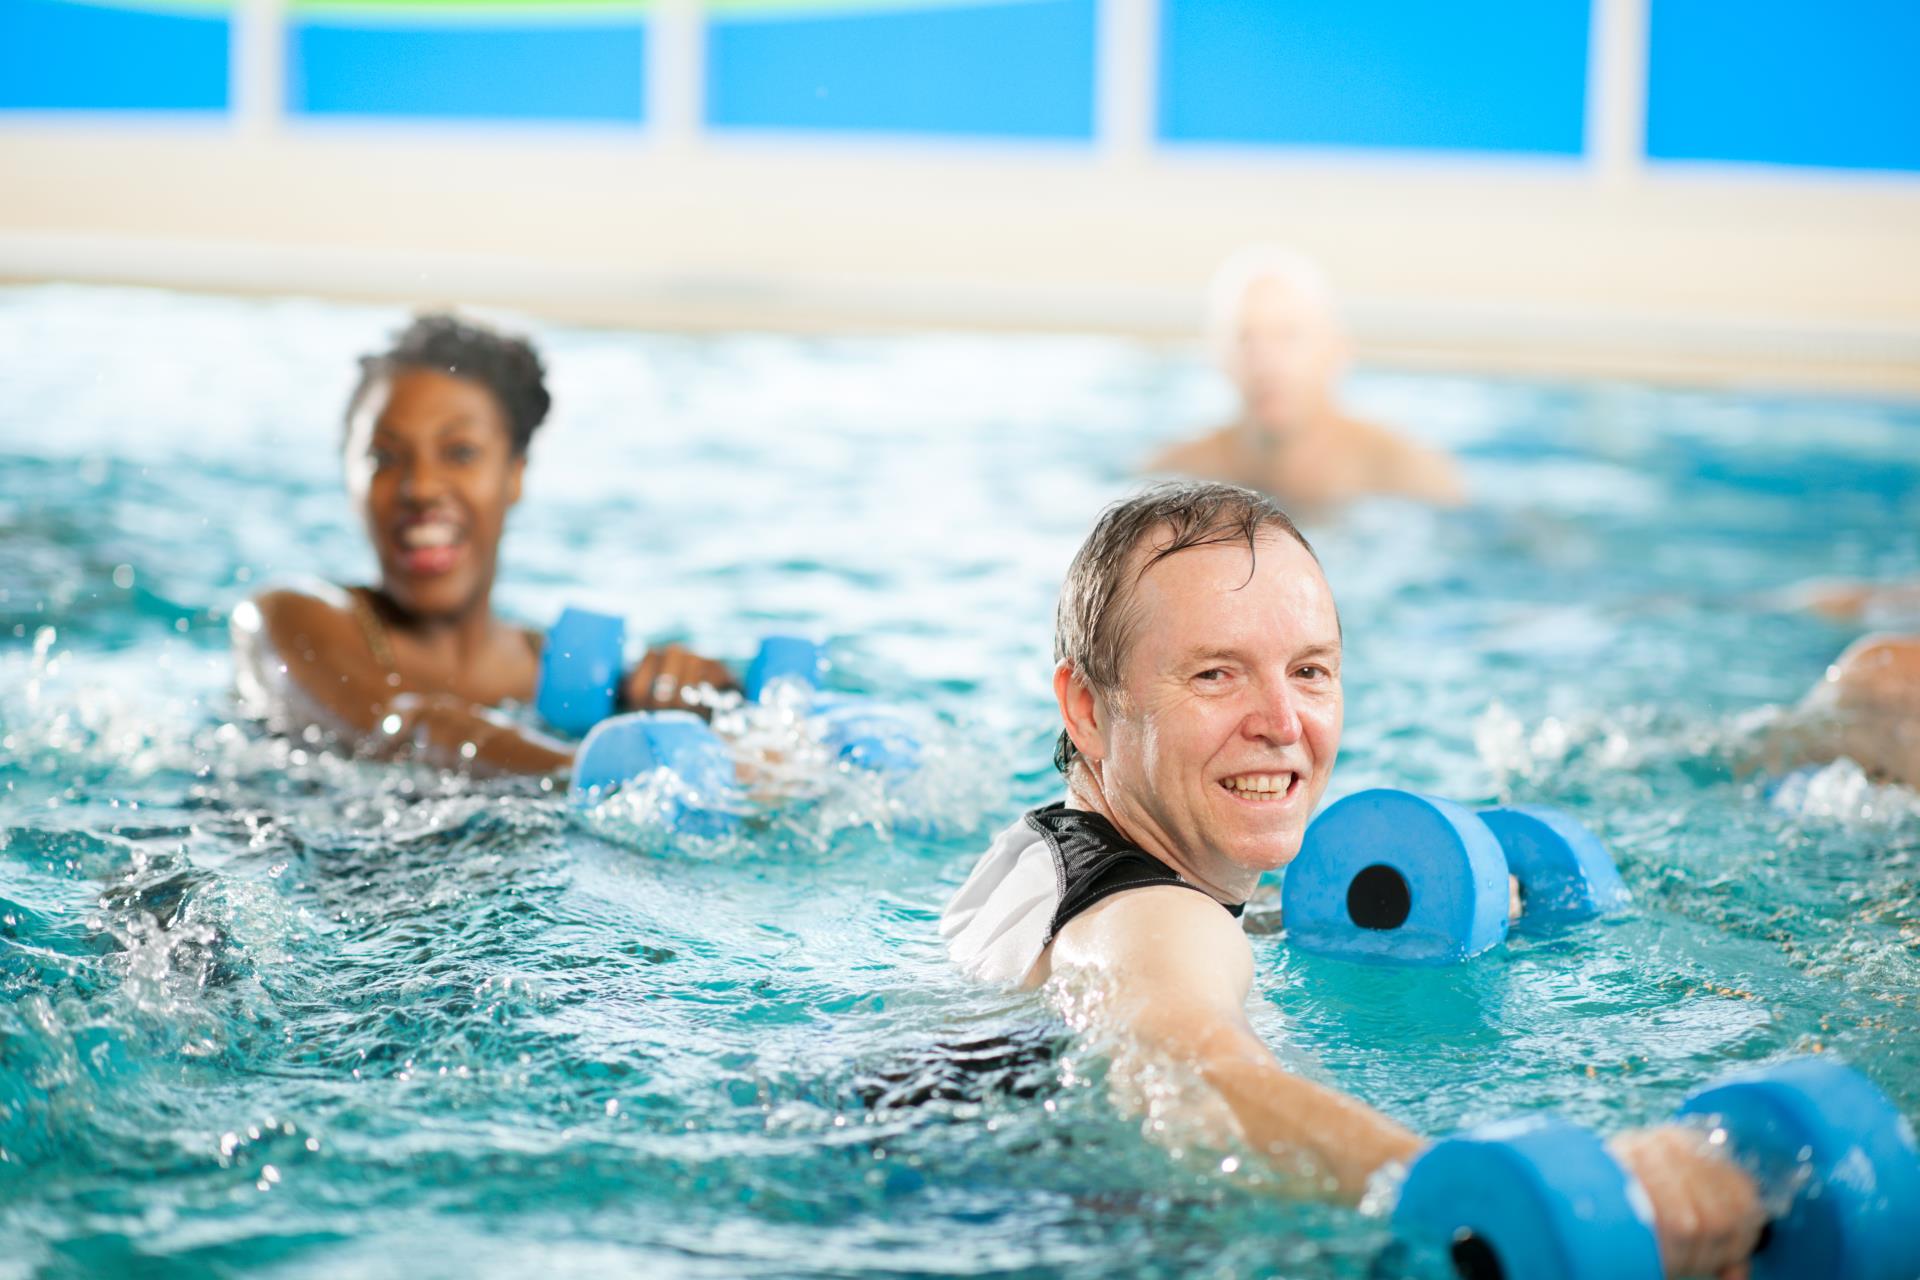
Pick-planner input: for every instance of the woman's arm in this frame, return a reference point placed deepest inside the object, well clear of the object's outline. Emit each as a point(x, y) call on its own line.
point(301, 660)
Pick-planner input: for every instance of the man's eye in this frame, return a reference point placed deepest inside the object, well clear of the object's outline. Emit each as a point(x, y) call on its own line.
point(462, 454)
point(380, 458)
point(1212, 675)
point(1312, 672)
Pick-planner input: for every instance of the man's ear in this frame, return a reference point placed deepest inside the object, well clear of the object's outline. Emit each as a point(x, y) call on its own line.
point(516, 472)
point(1080, 711)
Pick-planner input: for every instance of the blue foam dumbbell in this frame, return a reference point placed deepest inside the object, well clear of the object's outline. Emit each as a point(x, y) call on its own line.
point(580, 668)
point(1542, 1199)
point(706, 796)
point(1565, 873)
point(1391, 875)
point(783, 658)
point(1535, 1198)
point(1856, 1216)
point(863, 733)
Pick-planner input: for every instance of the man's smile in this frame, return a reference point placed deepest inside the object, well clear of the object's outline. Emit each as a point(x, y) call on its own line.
point(1262, 788)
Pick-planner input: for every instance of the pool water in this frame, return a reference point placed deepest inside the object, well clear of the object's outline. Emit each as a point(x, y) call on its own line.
point(266, 1011)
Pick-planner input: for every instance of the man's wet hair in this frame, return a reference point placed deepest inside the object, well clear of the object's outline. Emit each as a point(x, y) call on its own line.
point(1094, 624)
point(504, 364)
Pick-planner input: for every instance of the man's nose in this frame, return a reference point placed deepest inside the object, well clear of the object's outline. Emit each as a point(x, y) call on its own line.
point(1274, 716)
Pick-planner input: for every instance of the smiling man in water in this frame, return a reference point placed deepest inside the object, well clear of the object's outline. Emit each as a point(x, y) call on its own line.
point(1198, 676)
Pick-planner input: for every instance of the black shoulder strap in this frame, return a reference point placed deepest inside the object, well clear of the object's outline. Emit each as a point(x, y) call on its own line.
point(1092, 861)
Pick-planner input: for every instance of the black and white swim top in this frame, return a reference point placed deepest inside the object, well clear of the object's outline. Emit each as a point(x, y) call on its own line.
point(1039, 873)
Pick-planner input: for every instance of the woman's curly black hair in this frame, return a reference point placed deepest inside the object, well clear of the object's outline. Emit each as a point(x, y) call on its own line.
point(507, 366)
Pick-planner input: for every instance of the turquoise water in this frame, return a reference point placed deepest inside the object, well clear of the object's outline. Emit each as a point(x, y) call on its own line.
point(267, 1012)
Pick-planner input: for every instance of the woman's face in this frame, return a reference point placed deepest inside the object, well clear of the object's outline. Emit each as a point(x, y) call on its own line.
point(430, 464)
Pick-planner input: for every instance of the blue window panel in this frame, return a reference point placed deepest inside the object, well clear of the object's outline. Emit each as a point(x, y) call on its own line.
point(1452, 75)
point(1835, 84)
point(1011, 68)
point(57, 55)
point(489, 70)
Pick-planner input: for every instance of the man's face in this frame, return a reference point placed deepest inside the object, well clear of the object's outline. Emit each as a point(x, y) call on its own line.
point(1286, 355)
point(1221, 737)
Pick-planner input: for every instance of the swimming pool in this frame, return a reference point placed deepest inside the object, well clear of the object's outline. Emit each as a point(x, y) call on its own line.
point(271, 1012)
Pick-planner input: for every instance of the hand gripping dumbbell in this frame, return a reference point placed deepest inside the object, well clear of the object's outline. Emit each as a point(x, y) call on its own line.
point(1394, 876)
point(1542, 1199)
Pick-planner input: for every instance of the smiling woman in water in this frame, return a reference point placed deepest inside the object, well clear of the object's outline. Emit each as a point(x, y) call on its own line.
point(436, 443)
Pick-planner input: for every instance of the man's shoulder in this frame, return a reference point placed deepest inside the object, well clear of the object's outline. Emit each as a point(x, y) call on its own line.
point(1158, 932)
point(1205, 454)
point(1399, 463)
point(1374, 437)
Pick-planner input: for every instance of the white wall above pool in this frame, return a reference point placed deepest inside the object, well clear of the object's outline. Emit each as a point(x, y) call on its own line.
point(1643, 185)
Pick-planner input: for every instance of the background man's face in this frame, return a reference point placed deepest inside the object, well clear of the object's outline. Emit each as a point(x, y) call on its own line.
point(1224, 730)
point(1286, 356)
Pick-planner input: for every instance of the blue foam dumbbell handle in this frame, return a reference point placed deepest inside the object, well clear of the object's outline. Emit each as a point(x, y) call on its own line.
point(1565, 873)
point(1535, 1198)
point(1393, 876)
point(1824, 1129)
point(636, 745)
point(580, 667)
point(784, 658)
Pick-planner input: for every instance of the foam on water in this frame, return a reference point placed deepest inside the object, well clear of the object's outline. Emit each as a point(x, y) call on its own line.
point(268, 1010)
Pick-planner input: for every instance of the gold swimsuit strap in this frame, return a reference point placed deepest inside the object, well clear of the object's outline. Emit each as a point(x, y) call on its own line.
point(372, 628)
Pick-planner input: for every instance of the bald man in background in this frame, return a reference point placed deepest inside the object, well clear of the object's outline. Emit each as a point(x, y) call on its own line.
point(1280, 340)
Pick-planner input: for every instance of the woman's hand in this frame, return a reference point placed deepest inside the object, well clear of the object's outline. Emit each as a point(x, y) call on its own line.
point(670, 677)
point(1706, 1210)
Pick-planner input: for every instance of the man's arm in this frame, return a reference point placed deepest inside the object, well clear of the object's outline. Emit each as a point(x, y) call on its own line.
point(300, 660)
point(1165, 973)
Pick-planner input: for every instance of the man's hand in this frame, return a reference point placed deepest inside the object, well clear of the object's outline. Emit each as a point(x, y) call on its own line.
point(668, 675)
point(1706, 1210)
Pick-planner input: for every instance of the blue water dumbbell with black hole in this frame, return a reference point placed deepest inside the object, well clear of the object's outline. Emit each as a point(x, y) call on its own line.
point(1394, 876)
point(1542, 1199)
